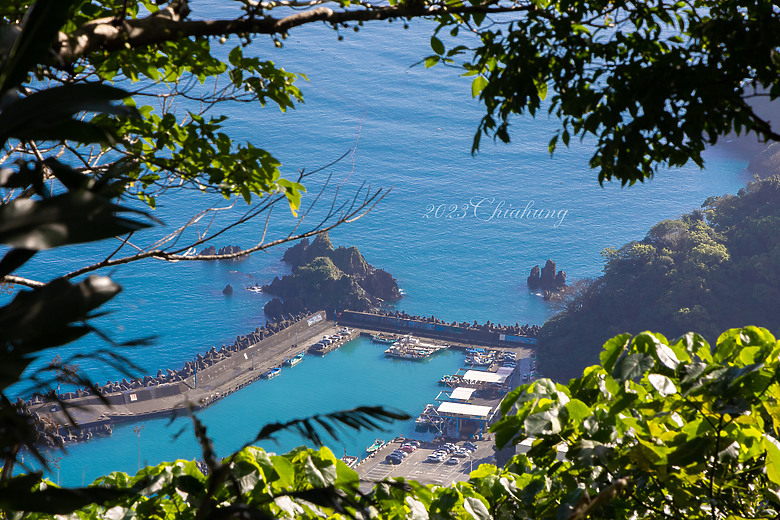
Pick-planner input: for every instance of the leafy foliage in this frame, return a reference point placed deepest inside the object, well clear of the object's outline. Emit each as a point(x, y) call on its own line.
point(706, 271)
point(673, 429)
point(653, 83)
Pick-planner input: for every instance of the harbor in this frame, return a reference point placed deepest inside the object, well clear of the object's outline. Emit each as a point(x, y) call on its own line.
point(280, 349)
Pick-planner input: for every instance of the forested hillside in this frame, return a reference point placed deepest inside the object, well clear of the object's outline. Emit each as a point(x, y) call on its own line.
point(708, 271)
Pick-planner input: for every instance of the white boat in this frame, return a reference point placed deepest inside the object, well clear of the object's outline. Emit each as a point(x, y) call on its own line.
point(272, 373)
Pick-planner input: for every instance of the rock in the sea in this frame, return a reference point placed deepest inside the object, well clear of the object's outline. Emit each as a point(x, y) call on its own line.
point(546, 279)
point(228, 290)
point(329, 279)
point(227, 250)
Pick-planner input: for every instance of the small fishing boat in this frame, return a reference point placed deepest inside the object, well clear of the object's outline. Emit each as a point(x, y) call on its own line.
point(291, 362)
point(272, 373)
point(377, 444)
point(384, 339)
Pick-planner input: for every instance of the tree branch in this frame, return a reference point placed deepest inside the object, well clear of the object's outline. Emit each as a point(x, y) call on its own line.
point(18, 280)
point(170, 24)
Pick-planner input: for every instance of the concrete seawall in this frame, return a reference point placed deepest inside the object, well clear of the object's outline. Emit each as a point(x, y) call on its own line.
point(239, 365)
point(487, 335)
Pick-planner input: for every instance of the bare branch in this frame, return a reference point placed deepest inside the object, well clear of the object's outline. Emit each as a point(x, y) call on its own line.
point(18, 280)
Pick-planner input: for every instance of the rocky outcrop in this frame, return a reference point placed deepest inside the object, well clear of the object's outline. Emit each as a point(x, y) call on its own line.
point(547, 279)
point(227, 250)
point(228, 290)
point(304, 252)
point(328, 278)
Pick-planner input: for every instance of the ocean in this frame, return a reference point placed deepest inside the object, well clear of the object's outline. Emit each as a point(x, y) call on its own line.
point(454, 231)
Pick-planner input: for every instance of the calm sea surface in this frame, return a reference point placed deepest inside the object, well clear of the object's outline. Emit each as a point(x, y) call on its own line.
point(443, 231)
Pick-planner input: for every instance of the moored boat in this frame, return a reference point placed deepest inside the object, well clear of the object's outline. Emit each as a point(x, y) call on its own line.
point(291, 362)
point(377, 444)
point(275, 371)
point(384, 339)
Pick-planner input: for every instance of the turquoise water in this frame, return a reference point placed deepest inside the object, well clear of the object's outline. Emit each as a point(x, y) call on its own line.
point(411, 130)
point(318, 384)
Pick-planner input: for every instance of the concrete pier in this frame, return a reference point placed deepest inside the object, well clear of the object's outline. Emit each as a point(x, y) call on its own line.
point(235, 369)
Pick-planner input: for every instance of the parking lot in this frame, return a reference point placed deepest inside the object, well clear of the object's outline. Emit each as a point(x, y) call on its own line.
point(413, 467)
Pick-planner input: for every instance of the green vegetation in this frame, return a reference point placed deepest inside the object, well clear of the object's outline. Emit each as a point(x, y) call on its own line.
point(707, 271)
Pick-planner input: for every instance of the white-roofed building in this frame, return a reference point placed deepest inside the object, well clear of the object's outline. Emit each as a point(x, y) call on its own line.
point(462, 393)
point(469, 416)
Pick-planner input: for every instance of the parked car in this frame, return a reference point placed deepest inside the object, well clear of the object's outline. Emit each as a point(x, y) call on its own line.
point(394, 459)
point(452, 461)
point(400, 453)
point(416, 444)
point(461, 454)
point(407, 449)
point(434, 458)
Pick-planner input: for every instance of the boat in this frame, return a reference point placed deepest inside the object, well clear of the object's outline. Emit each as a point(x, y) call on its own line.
point(428, 419)
point(350, 460)
point(275, 371)
point(384, 339)
point(291, 362)
point(377, 444)
point(478, 360)
point(422, 424)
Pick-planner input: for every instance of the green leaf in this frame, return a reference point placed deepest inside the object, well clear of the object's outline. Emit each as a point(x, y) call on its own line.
point(431, 61)
point(478, 85)
point(47, 114)
point(666, 356)
point(437, 45)
point(772, 447)
point(70, 218)
point(553, 142)
point(542, 423)
point(476, 509)
point(662, 384)
point(577, 410)
point(613, 348)
point(632, 366)
point(541, 90)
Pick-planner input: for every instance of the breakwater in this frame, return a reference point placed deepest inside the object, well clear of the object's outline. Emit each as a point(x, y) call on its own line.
point(488, 334)
point(202, 381)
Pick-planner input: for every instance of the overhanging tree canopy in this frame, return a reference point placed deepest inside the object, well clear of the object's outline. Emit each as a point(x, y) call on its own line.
point(653, 82)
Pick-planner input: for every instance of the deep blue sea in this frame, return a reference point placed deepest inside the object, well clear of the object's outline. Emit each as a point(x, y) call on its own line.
point(440, 232)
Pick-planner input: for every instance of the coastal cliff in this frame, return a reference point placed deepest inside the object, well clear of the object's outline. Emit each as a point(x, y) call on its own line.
point(328, 278)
